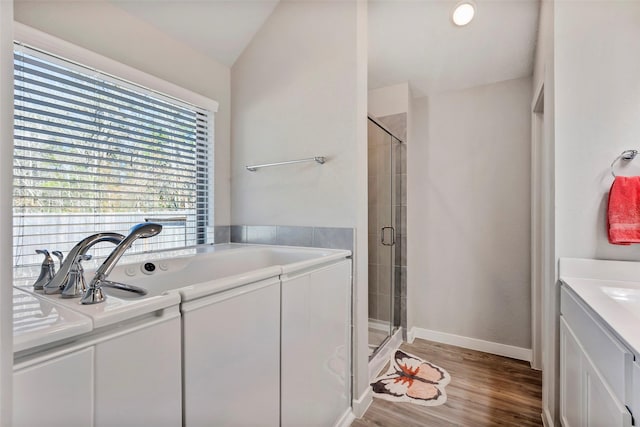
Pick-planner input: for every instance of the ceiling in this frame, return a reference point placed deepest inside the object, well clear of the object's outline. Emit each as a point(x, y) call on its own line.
point(221, 29)
point(409, 40)
point(415, 41)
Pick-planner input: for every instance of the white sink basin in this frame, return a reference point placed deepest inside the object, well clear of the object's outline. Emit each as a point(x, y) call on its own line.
point(625, 295)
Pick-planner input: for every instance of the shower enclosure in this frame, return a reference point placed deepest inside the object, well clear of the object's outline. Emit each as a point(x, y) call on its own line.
point(385, 189)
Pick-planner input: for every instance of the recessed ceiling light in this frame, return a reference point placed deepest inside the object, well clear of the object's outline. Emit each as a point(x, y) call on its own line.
point(463, 13)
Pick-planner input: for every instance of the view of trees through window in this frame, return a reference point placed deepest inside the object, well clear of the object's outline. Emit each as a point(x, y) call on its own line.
point(96, 154)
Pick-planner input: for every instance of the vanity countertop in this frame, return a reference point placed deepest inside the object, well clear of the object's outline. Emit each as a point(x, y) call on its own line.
point(612, 290)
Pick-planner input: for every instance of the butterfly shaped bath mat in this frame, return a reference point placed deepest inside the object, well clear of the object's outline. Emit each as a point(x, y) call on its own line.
point(411, 379)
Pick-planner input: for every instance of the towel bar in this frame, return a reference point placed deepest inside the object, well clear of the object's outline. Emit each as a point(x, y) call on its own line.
point(625, 155)
point(318, 159)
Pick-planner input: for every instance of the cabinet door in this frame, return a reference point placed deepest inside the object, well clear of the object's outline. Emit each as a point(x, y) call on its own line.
point(315, 346)
point(138, 377)
point(602, 407)
point(634, 400)
point(571, 373)
point(585, 398)
point(232, 358)
point(55, 393)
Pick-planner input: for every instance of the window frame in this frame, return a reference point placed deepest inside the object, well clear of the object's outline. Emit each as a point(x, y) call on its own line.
point(84, 58)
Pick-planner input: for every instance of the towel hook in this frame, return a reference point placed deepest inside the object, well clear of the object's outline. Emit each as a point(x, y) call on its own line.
point(625, 155)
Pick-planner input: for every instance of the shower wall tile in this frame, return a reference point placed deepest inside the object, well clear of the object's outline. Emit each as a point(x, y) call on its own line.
point(401, 158)
point(385, 195)
point(373, 306)
point(384, 279)
point(400, 198)
point(401, 281)
point(294, 236)
point(384, 308)
point(401, 219)
point(401, 251)
point(373, 278)
point(238, 234)
point(373, 219)
point(373, 248)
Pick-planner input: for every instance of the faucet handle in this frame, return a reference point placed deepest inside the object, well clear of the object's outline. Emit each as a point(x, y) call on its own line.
point(44, 252)
point(47, 270)
point(76, 284)
point(58, 255)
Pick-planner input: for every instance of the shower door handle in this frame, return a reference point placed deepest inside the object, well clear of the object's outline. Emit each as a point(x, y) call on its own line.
point(383, 234)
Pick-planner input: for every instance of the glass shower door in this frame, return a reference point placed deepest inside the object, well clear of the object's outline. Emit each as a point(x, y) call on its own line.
point(381, 235)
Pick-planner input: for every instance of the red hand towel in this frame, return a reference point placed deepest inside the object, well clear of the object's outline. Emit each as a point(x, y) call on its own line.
point(624, 210)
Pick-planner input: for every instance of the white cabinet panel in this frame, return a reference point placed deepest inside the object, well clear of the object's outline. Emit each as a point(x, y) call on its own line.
point(138, 378)
point(606, 352)
point(634, 399)
point(571, 373)
point(587, 397)
point(55, 393)
point(232, 357)
point(602, 407)
point(315, 346)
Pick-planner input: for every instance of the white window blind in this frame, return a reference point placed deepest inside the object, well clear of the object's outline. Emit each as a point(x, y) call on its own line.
point(94, 153)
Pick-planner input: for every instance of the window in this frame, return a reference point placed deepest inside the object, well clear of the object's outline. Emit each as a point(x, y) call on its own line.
point(96, 153)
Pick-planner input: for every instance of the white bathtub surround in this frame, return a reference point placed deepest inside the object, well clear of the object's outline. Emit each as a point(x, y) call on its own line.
point(37, 321)
point(244, 310)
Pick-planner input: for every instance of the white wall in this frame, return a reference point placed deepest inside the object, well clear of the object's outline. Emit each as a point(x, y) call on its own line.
point(294, 96)
point(102, 27)
point(468, 213)
point(595, 81)
point(389, 100)
point(299, 90)
point(6, 196)
point(597, 116)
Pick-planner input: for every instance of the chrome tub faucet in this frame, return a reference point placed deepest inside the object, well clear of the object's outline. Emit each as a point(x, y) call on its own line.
point(94, 293)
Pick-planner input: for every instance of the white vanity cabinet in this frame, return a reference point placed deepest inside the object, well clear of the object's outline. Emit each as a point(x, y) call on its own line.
point(594, 367)
point(124, 375)
point(232, 357)
point(315, 345)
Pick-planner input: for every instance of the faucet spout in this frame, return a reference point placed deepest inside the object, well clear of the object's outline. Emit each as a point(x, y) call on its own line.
point(140, 231)
point(61, 278)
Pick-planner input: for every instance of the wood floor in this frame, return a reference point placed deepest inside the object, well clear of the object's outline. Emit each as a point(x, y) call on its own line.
point(485, 390)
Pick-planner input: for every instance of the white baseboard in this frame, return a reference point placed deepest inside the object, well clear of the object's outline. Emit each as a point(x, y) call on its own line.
point(359, 406)
point(346, 419)
point(471, 343)
point(411, 335)
point(547, 421)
